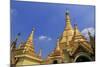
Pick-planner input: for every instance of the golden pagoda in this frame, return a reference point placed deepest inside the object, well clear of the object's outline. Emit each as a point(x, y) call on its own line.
point(73, 46)
point(25, 53)
point(81, 49)
point(67, 34)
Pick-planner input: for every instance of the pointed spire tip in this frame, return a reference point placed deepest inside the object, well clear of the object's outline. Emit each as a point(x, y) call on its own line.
point(67, 12)
point(75, 25)
point(33, 29)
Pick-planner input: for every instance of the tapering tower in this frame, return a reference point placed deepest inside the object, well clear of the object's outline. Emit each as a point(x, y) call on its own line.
point(80, 48)
point(68, 32)
point(26, 54)
point(56, 56)
point(79, 38)
point(63, 42)
point(40, 52)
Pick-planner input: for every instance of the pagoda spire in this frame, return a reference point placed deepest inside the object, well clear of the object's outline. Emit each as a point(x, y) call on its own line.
point(77, 33)
point(76, 30)
point(30, 38)
point(58, 47)
point(79, 38)
point(40, 52)
point(68, 30)
point(26, 52)
point(56, 54)
point(58, 50)
point(68, 22)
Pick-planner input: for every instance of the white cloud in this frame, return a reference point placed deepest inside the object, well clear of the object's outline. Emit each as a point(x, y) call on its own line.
point(49, 38)
point(85, 32)
point(44, 38)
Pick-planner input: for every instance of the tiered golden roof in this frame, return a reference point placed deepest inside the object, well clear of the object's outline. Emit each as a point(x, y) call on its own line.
point(25, 53)
point(67, 45)
point(70, 42)
point(79, 40)
point(68, 31)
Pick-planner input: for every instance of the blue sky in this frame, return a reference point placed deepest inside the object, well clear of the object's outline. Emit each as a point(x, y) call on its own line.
point(48, 20)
